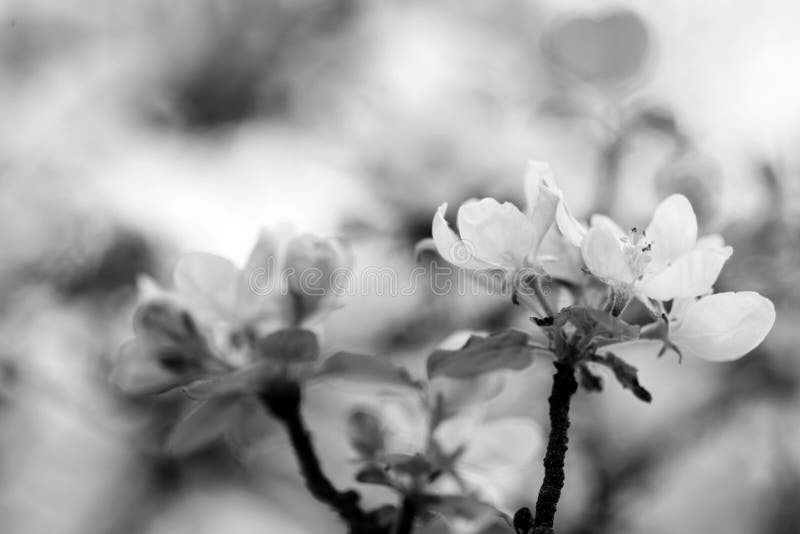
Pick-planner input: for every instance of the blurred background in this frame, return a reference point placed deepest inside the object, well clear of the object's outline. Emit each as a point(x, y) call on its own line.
point(133, 131)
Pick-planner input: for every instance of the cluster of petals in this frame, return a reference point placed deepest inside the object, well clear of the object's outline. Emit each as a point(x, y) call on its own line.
point(222, 332)
point(665, 265)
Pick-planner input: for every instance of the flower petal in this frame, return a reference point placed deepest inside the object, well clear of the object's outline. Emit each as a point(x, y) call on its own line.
point(724, 326)
point(315, 266)
point(673, 230)
point(451, 247)
point(542, 198)
point(539, 179)
point(137, 371)
point(495, 456)
point(499, 234)
point(711, 241)
point(259, 288)
point(603, 255)
point(208, 284)
point(608, 222)
point(542, 218)
point(462, 395)
point(691, 275)
point(510, 442)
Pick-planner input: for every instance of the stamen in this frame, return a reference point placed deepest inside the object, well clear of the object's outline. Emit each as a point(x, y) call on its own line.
point(636, 248)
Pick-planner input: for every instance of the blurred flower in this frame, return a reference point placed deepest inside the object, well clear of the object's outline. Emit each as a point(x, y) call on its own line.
point(168, 351)
point(696, 175)
point(462, 458)
point(439, 447)
point(720, 327)
point(664, 262)
point(225, 334)
point(287, 281)
point(606, 48)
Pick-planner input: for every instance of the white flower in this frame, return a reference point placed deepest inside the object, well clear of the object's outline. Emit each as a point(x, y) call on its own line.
point(285, 282)
point(664, 262)
point(539, 177)
point(720, 327)
point(224, 334)
point(495, 236)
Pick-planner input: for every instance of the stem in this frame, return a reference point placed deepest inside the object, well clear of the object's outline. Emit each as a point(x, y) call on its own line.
point(564, 386)
point(282, 399)
point(405, 516)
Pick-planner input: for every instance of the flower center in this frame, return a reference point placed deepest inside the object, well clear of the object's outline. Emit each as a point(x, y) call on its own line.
point(636, 248)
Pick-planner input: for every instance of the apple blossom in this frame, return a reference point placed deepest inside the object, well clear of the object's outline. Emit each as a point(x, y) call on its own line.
point(664, 262)
point(539, 177)
point(285, 282)
point(169, 350)
point(720, 327)
point(495, 236)
point(222, 338)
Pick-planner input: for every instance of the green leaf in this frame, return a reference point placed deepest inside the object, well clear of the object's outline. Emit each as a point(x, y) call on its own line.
point(506, 350)
point(290, 345)
point(365, 369)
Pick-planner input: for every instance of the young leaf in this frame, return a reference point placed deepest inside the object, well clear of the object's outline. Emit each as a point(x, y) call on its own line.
point(374, 474)
point(138, 371)
point(626, 374)
point(247, 380)
point(412, 465)
point(600, 323)
point(588, 380)
point(290, 345)
point(365, 369)
point(203, 423)
point(507, 350)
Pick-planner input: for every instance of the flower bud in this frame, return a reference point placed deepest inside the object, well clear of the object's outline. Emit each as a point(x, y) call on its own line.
point(366, 434)
point(313, 265)
point(164, 321)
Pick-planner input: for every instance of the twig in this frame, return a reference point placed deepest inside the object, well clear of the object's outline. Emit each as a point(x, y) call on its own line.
point(406, 516)
point(564, 386)
point(282, 399)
